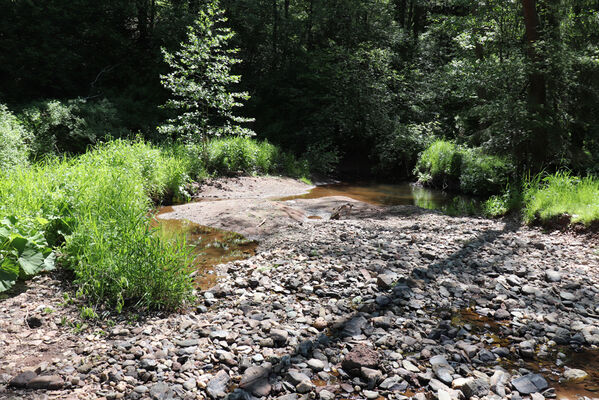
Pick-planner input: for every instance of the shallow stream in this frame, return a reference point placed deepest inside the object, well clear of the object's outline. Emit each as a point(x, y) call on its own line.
point(397, 194)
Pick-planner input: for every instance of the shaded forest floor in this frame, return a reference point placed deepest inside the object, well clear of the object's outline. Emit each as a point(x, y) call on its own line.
point(386, 302)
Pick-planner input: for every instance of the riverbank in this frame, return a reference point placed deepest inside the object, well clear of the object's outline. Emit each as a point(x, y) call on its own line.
point(386, 302)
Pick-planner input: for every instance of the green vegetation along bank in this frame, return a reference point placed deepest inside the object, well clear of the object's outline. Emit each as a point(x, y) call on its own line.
point(93, 212)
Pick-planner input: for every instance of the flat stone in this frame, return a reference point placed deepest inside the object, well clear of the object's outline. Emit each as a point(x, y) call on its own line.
point(50, 382)
point(315, 364)
point(296, 377)
point(575, 375)
point(218, 384)
point(162, 391)
point(372, 375)
point(21, 380)
point(360, 356)
point(530, 383)
point(409, 366)
point(370, 394)
point(255, 381)
point(567, 296)
point(475, 387)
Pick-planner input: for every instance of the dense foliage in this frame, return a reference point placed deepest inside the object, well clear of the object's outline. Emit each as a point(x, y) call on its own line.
point(449, 166)
point(370, 83)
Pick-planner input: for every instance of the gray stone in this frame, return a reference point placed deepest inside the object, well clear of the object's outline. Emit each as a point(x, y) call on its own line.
point(316, 364)
point(385, 281)
point(372, 375)
point(304, 386)
point(371, 394)
point(218, 384)
point(530, 383)
point(553, 276)
point(21, 380)
point(326, 395)
point(46, 382)
point(475, 387)
point(444, 374)
point(141, 389)
point(162, 391)
point(279, 337)
point(255, 381)
point(296, 377)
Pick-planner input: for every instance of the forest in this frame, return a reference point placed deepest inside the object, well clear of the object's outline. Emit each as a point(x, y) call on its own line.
point(306, 198)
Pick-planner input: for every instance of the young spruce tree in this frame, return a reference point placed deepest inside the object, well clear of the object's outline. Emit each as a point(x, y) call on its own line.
point(200, 82)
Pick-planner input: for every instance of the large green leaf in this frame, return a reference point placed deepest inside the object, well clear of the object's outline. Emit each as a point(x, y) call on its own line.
point(31, 261)
point(9, 273)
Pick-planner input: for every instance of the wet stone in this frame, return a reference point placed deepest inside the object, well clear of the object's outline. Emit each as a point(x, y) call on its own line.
point(530, 383)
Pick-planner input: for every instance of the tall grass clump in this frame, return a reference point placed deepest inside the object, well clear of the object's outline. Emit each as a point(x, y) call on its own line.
point(448, 166)
point(561, 194)
point(235, 154)
point(13, 150)
point(97, 205)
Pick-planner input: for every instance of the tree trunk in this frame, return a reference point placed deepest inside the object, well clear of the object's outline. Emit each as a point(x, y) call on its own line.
point(537, 93)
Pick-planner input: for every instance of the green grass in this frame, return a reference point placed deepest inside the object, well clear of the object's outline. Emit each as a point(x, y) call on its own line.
point(446, 165)
point(94, 211)
point(561, 193)
point(97, 205)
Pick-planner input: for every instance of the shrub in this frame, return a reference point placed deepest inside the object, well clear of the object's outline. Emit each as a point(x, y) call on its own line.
point(232, 155)
point(446, 165)
point(70, 127)
point(483, 174)
point(13, 151)
point(99, 203)
point(439, 165)
point(561, 194)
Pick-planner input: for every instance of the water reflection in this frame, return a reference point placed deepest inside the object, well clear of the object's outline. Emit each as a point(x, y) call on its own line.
point(398, 194)
point(211, 246)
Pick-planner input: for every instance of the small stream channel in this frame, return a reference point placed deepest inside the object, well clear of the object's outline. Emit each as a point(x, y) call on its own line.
point(398, 194)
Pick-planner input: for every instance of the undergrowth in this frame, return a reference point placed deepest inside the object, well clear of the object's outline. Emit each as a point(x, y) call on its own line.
point(561, 194)
point(93, 210)
point(446, 165)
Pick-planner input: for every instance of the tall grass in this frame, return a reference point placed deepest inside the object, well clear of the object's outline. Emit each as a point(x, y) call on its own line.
point(98, 207)
point(561, 193)
point(446, 165)
point(95, 210)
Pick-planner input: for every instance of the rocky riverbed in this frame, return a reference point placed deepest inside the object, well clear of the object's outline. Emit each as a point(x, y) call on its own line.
point(392, 302)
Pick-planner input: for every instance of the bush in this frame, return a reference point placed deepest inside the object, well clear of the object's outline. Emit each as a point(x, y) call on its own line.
point(503, 204)
point(439, 165)
point(70, 127)
point(233, 155)
point(482, 174)
point(446, 165)
point(97, 204)
point(13, 150)
point(561, 194)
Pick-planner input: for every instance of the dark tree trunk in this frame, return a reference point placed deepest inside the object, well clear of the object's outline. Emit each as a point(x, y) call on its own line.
point(537, 92)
